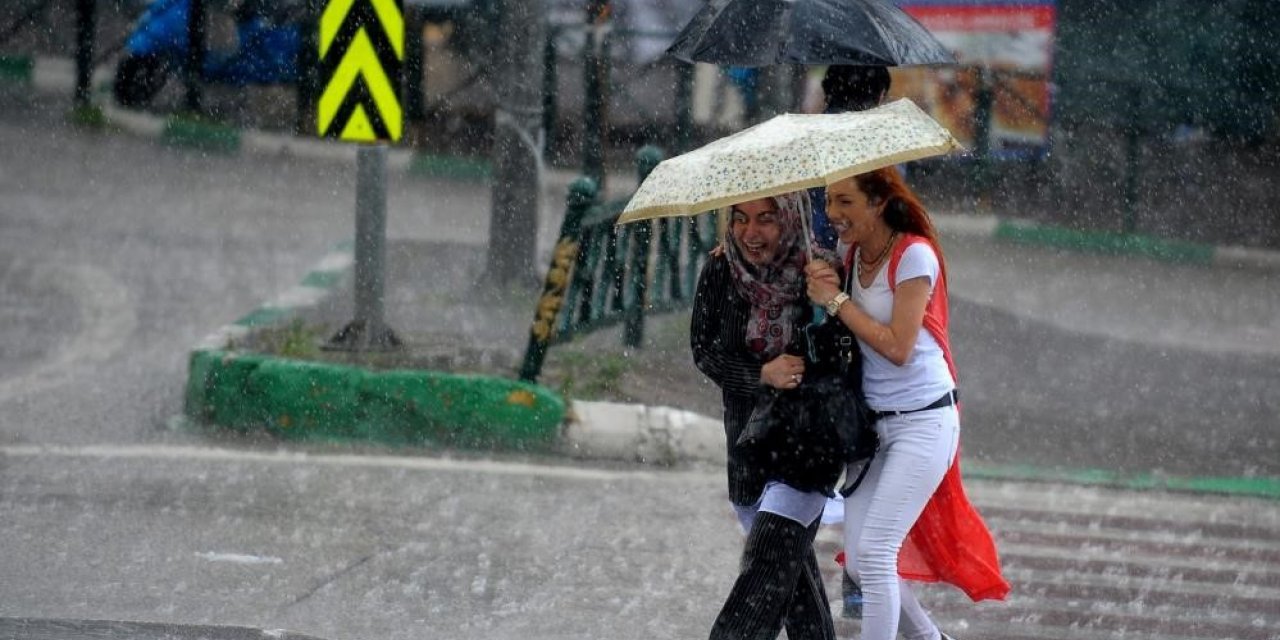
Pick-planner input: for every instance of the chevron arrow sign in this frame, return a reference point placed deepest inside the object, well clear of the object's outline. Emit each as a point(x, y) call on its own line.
point(361, 54)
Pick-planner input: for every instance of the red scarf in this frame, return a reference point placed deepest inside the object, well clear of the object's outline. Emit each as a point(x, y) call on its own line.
point(950, 542)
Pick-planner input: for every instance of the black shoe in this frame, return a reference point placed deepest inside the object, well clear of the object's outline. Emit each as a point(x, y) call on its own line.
point(945, 636)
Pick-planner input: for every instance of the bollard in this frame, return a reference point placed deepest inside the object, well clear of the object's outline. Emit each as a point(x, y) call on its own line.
point(582, 196)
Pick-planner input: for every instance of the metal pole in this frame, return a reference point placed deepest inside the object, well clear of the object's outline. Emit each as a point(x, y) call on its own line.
point(550, 86)
point(195, 54)
point(86, 23)
point(414, 66)
point(647, 158)
point(368, 331)
point(308, 69)
point(983, 107)
point(684, 107)
point(1132, 152)
point(371, 228)
point(594, 87)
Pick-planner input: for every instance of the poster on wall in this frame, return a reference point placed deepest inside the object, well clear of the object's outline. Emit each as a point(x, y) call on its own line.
point(1013, 42)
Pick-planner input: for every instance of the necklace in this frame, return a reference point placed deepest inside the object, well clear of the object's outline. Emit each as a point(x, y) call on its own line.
point(864, 267)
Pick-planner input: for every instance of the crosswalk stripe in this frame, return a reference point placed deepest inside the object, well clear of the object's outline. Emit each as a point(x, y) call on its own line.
point(1024, 576)
point(1097, 522)
point(1101, 502)
point(1161, 568)
point(1088, 563)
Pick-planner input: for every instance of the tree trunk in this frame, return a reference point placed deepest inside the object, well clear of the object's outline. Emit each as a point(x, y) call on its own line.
point(517, 142)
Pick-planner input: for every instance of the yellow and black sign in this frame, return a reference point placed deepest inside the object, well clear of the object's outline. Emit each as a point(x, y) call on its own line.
point(361, 54)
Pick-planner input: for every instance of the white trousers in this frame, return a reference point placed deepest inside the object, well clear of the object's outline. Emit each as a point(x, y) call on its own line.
point(916, 450)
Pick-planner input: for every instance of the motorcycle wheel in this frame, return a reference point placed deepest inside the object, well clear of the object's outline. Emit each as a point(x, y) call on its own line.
point(139, 79)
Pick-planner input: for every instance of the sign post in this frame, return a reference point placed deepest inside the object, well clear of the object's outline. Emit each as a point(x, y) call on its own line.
point(362, 52)
point(86, 24)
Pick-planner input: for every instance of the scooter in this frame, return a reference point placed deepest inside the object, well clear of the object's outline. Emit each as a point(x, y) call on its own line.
point(157, 48)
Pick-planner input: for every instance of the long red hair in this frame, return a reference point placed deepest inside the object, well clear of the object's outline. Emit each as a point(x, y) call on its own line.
point(903, 211)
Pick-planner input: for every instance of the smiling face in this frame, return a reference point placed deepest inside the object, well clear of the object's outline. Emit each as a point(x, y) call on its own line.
point(757, 230)
point(854, 216)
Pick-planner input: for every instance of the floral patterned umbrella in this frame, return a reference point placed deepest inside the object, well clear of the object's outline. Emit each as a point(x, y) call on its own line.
point(787, 153)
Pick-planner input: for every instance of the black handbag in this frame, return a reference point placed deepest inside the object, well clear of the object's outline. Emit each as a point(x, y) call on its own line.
point(806, 436)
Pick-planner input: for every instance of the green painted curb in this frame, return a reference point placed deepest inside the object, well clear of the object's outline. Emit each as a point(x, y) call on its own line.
point(303, 400)
point(1105, 242)
point(186, 131)
point(16, 68)
point(450, 167)
point(1257, 487)
point(263, 316)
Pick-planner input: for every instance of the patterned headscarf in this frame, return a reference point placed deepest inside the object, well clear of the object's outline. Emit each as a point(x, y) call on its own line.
point(776, 290)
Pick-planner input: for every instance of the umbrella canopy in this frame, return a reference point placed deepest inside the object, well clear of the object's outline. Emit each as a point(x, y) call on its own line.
point(787, 153)
point(755, 33)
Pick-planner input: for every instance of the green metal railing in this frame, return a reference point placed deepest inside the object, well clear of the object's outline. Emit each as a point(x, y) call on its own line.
point(603, 274)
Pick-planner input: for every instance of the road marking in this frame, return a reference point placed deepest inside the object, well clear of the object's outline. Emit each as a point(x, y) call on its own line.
point(154, 452)
point(238, 558)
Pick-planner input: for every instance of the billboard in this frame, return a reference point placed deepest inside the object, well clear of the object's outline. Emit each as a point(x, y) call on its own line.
point(1007, 46)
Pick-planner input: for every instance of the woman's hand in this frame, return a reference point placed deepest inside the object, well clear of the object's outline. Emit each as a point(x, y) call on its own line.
point(783, 372)
point(822, 281)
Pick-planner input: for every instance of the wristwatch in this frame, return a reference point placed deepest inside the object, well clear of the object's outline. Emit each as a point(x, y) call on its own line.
point(833, 305)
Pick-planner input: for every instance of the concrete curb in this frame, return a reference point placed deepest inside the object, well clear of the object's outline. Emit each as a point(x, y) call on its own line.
point(666, 436)
point(638, 433)
point(296, 399)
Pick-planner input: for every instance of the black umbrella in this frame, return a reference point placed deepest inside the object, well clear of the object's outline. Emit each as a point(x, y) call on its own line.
point(756, 33)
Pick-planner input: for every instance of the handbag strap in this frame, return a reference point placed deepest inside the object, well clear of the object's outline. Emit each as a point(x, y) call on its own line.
point(849, 488)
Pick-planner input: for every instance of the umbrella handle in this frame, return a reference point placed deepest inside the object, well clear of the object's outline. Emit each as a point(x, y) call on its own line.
point(808, 234)
point(819, 312)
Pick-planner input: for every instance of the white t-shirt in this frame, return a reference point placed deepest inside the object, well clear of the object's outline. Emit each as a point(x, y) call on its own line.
point(925, 377)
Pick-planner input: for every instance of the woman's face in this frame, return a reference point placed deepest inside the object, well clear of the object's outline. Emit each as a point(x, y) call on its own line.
point(854, 216)
point(757, 230)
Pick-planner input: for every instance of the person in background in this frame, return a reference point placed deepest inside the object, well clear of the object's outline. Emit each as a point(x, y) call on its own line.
point(846, 88)
point(909, 518)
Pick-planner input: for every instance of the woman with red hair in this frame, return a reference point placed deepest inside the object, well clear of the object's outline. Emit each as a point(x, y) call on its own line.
point(909, 518)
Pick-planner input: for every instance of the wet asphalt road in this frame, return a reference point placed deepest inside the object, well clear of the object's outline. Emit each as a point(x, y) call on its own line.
point(116, 254)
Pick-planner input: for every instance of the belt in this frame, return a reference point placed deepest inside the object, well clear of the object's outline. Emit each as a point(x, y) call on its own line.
point(952, 397)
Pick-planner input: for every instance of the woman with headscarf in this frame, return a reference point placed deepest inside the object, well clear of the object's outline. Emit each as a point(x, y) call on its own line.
point(749, 306)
